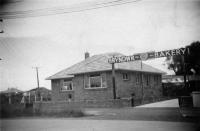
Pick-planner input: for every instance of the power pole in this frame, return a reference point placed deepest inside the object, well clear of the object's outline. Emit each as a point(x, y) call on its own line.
point(184, 75)
point(38, 84)
point(113, 81)
point(142, 82)
point(1, 30)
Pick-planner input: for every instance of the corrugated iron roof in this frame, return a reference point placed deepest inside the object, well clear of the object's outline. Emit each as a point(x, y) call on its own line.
point(98, 63)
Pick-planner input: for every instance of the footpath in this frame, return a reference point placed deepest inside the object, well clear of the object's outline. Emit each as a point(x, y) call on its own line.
point(163, 104)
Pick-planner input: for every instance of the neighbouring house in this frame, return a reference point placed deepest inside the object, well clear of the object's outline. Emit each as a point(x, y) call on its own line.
point(173, 85)
point(91, 79)
point(11, 96)
point(37, 94)
point(175, 79)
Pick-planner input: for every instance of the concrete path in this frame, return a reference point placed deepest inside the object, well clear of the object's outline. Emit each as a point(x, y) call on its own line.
point(167, 103)
point(160, 111)
point(64, 124)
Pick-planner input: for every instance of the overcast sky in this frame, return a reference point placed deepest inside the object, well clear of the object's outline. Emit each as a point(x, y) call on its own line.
point(56, 42)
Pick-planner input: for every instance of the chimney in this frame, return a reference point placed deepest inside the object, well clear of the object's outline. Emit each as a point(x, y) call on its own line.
point(87, 55)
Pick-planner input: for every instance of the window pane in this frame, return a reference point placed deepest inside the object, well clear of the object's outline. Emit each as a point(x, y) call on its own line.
point(125, 76)
point(67, 86)
point(95, 81)
point(137, 79)
point(148, 79)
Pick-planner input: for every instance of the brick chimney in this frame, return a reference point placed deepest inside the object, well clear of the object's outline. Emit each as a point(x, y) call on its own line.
point(87, 55)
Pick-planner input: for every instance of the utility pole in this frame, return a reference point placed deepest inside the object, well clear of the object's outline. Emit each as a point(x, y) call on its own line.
point(184, 75)
point(38, 84)
point(113, 81)
point(1, 30)
point(142, 82)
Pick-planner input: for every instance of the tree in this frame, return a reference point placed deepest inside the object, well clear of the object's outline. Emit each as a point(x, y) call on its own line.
point(191, 60)
point(176, 63)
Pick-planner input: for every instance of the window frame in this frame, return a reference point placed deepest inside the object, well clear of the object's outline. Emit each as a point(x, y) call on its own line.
point(63, 88)
point(156, 79)
point(137, 79)
point(125, 78)
point(93, 76)
point(148, 80)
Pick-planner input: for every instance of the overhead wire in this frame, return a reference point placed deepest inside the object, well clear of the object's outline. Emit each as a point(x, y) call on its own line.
point(58, 10)
point(62, 10)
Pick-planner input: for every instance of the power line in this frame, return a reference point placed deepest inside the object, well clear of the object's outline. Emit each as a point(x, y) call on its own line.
point(62, 10)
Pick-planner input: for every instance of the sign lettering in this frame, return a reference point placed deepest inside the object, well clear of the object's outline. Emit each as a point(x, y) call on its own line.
point(147, 55)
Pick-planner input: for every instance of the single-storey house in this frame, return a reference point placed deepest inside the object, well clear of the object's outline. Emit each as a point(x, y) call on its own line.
point(91, 79)
point(36, 94)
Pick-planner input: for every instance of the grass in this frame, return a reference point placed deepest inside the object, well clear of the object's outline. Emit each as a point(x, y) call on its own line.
point(12, 111)
point(63, 113)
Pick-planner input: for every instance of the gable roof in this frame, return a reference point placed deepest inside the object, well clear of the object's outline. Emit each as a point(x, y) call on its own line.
point(98, 63)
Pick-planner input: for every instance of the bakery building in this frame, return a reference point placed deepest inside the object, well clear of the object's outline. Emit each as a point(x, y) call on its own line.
point(91, 79)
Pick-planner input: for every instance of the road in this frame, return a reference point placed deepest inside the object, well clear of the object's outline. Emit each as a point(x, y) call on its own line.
point(161, 116)
point(67, 124)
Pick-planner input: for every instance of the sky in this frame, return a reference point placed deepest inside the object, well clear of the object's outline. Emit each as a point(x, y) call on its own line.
point(55, 42)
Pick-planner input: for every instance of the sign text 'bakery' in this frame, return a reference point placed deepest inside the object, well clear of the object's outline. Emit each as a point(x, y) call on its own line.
point(147, 55)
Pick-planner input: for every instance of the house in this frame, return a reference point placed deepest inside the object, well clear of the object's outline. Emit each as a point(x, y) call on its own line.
point(37, 94)
point(91, 79)
point(173, 85)
point(176, 80)
point(11, 96)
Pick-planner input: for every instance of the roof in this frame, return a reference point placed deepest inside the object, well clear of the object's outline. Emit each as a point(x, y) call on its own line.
point(11, 90)
point(40, 89)
point(98, 63)
point(172, 79)
point(178, 78)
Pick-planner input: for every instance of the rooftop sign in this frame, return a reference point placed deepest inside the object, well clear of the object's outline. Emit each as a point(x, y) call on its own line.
point(146, 56)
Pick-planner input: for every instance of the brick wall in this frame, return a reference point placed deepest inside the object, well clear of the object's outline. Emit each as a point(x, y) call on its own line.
point(124, 88)
point(57, 94)
point(59, 106)
point(81, 93)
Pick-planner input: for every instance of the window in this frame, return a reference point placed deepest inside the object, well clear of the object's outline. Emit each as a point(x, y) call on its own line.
point(137, 79)
point(125, 76)
point(67, 85)
point(148, 80)
point(156, 80)
point(95, 81)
